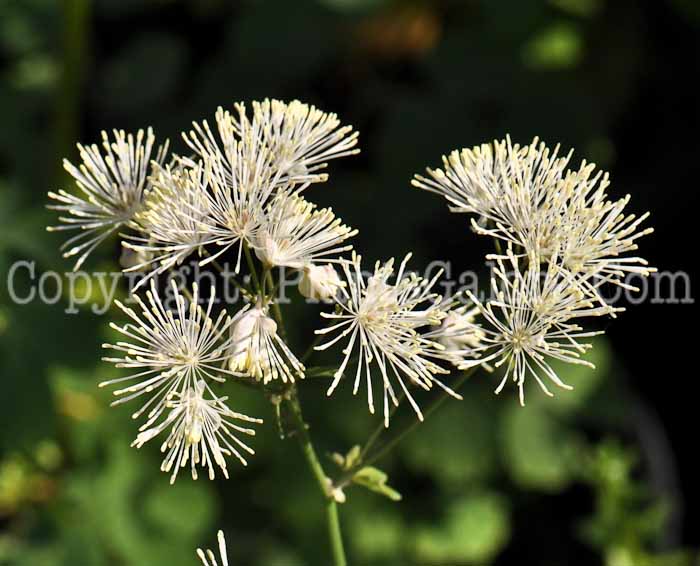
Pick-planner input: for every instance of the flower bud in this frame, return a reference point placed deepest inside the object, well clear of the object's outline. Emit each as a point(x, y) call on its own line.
point(319, 282)
point(247, 353)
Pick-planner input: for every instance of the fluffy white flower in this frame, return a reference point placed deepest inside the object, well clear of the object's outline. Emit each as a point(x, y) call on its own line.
point(201, 432)
point(380, 320)
point(501, 183)
point(527, 197)
point(240, 177)
point(169, 353)
point(319, 282)
point(208, 558)
point(301, 138)
point(595, 241)
point(113, 183)
point(530, 321)
point(257, 350)
point(295, 233)
point(174, 221)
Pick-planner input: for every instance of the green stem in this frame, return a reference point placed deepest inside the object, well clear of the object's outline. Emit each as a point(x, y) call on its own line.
point(276, 311)
point(251, 266)
point(310, 349)
point(335, 533)
point(497, 245)
point(188, 295)
point(302, 430)
point(323, 481)
point(380, 429)
point(390, 444)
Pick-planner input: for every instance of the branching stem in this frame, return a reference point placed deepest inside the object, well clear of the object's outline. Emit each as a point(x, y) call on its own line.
point(324, 483)
point(368, 457)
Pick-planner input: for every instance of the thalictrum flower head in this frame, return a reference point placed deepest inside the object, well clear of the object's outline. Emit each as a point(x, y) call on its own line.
point(530, 321)
point(201, 432)
point(380, 320)
point(170, 352)
point(295, 233)
point(113, 183)
point(174, 221)
point(240, 178)
point(528, 198)
point(301, 138)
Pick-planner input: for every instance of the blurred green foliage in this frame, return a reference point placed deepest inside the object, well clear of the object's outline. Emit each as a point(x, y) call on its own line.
point(423, 77)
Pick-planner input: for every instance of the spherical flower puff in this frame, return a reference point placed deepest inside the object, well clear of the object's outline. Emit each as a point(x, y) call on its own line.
point(201, 432)
point(174, 221)
point(382, 319)
point(295, 233)
point(170, 352)
point(530, 320)
point(302, 138)
point(113, 182)
point(526, 197)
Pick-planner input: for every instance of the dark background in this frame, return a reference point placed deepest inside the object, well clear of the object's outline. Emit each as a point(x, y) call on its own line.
point(616, 80)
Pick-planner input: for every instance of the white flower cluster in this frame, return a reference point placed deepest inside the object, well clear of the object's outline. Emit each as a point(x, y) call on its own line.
point(240, 191)
point(174, 358)
point(565, 239)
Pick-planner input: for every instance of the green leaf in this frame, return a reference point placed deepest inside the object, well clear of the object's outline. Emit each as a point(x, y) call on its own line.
point(375, 480)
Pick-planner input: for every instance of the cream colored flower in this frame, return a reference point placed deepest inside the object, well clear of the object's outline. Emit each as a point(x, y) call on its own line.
point(380, 320)
point(202, 431)
point(595, 242)
point(175, 220)
point(208, 558)
point(301, 138)
point(530, 321)
point(501, 183)
point(527, 197)
point(295, 233)
point(241, 179)
point(113, 182)
point(169, 353)
point(319, 282)
point(257, 350)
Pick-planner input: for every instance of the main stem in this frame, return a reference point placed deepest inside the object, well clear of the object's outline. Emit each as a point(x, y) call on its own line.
point(302, 430)
point(334, 533)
